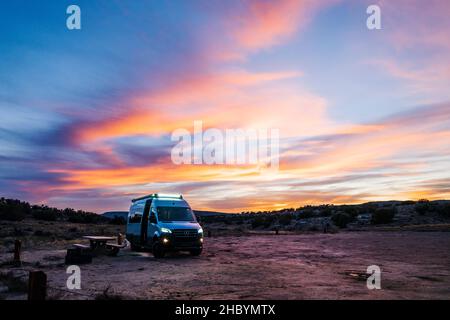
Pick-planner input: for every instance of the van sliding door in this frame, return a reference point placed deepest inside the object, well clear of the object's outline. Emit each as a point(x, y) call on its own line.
point(144, 222)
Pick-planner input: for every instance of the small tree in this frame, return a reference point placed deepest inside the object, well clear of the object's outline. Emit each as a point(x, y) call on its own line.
point(422, 206)
point(341, 219)
point(383, 215)
point(285, 219)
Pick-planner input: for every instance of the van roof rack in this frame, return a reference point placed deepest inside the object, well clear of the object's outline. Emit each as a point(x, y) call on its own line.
point(159, 195)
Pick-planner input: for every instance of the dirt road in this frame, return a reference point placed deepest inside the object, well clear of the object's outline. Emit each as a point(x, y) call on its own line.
point(415, 265)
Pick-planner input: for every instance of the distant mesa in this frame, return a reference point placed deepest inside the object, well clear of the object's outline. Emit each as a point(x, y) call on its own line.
point(115, 214)
point(201, 213)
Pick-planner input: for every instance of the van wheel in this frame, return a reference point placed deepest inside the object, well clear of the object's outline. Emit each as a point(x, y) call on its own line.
point(196, 252)
point(158, 250)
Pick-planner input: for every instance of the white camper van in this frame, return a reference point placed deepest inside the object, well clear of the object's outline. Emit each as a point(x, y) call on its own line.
point(162, 223)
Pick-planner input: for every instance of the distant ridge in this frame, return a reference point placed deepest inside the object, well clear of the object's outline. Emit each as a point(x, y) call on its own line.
point(202, 213)
point(115, 214)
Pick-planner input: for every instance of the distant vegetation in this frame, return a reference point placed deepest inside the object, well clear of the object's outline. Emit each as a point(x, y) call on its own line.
point(318, 217)
point(426, 207)
point(383, 215)
point(16, 210)
point(302, 218)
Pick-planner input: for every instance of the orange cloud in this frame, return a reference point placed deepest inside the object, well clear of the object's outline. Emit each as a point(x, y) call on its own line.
point(216, 100)
point(268, 23)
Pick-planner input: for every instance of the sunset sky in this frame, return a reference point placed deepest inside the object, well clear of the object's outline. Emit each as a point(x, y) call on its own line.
point(87, 115)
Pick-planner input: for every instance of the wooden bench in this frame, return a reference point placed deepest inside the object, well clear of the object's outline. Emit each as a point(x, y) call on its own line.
point(78, 254)
point(81, 246)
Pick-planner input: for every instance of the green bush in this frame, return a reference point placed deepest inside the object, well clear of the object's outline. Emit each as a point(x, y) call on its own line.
point(341, 219)
point(383, 215)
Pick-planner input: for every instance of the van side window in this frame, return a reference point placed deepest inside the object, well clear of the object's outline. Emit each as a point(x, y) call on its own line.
point(130, 215)
point(135, 216)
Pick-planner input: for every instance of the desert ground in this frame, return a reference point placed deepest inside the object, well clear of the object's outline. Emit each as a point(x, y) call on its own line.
point(415, 265)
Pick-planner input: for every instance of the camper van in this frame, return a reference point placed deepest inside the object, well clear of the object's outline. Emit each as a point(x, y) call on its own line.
point(162, 223)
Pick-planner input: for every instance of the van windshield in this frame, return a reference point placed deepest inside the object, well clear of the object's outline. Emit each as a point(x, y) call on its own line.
point(167, 214)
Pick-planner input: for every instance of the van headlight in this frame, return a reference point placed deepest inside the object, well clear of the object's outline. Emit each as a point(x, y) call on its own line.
point(165, 230)
point(200, 231)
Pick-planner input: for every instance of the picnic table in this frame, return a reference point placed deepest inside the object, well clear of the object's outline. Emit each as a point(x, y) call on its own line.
point(100, 245)
point(97, 242)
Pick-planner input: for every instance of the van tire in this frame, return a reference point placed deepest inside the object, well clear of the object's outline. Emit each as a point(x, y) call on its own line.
point(196, 252)
point(158, 250)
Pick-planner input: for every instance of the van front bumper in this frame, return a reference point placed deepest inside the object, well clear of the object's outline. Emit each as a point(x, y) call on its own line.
point(170, 242)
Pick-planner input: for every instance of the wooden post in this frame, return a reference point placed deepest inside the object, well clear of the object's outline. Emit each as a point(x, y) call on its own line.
point(37, 285)
point(17, 248)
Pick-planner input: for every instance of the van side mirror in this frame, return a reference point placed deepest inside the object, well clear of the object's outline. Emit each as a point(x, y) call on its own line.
point(199, 219)
point(152, 219)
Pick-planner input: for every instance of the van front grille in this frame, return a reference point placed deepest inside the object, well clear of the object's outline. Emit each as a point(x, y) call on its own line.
point(185, 233)
point(185, 237)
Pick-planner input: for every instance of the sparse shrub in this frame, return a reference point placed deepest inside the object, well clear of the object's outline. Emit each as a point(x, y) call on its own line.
point(341, 219)
point(368, 208)
point(257, 222)
point(262, 221)
point(352, 211)
point(422, 206)
point(325, 211)
point(106, 295)
point(13, 282)
point(285, 219)
point(45, 215)
point(383, 215)
point(444, 210)
point(306, 212)
point(17, 232)
point(40, 233)
point(12, 214)
point(85, 217)
point(13, 210)
point(117, 221)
